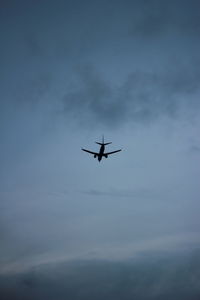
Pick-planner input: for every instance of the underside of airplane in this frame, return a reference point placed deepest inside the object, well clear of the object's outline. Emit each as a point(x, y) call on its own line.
point(101, 152)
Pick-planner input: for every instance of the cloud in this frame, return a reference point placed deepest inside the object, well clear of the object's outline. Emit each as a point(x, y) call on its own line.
point(194, 149)
point(153, 19)
point(142, 98)
point(68, 34)
point(141, 193)
point(156, 276)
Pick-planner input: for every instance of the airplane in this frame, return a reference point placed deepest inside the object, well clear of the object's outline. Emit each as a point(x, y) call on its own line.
point(101, 150)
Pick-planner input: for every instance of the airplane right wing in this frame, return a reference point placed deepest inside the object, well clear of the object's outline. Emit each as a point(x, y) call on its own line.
point(94, 153)
point(108, 153)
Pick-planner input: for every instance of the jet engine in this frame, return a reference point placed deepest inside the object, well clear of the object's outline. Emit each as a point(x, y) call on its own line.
point(106, 155)
point(95, 156)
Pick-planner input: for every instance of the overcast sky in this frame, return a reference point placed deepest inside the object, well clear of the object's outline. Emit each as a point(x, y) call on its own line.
point(70, 72)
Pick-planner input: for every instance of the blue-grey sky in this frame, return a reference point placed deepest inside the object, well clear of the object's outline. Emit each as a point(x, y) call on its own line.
point(70, 72)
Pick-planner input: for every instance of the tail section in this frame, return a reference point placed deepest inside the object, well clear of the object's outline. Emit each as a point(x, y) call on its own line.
point(102, 143)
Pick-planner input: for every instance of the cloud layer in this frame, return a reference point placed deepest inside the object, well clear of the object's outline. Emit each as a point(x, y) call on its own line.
point(150, 277)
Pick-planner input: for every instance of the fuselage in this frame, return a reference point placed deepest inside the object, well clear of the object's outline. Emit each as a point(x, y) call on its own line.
point(101, 152)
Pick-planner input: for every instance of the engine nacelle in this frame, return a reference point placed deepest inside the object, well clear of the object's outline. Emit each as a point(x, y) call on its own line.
point(106, 155)
point(95, 156)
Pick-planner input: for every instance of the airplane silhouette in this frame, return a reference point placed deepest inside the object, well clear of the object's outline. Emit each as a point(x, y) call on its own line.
point(101, 150)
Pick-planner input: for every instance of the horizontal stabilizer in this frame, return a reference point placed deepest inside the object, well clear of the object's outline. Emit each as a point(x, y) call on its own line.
point(103, 143)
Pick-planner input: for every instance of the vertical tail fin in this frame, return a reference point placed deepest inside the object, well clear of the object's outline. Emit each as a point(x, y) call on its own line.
point(102, 143)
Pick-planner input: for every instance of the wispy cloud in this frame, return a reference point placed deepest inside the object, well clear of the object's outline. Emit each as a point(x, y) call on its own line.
point(142, 193)
point(163, 244)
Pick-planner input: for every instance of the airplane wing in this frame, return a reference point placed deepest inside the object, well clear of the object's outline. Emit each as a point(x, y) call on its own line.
point(108, 153)
point(94, 153)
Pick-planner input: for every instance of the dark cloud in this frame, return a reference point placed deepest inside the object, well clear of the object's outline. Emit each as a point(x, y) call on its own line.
point(142, 98)
point(149, 277)
point(66, 33)
point(158, 18)
point(94, 101)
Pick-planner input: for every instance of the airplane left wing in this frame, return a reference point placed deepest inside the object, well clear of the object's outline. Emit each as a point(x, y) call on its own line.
point(108, 153)
point(94, 153)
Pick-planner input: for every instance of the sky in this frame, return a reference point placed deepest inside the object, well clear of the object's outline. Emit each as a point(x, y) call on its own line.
point(127, 227)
